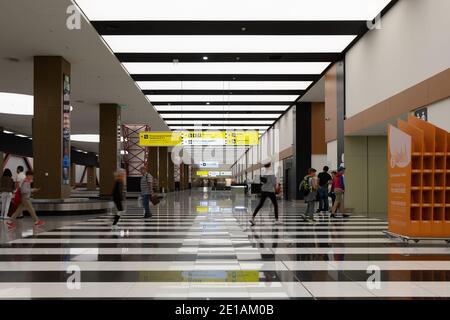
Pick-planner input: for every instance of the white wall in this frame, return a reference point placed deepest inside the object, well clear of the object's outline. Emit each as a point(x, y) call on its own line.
point(412, 45)
point(332, 154)
point(439, 114)
point(318, 161)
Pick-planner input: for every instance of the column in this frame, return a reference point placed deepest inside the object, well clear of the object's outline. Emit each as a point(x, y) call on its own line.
point(51, 151)
point(109, 147)
point(73, 175)
point(91, 178)
point(170, 174)
point(162, 166)
point(302, 147)
point(152, 165)
point(186, 176)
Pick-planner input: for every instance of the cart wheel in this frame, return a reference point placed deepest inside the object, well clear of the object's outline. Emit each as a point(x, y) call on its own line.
point(415, 240)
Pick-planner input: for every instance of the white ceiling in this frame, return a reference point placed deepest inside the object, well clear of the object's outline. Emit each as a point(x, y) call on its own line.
point(30, 28)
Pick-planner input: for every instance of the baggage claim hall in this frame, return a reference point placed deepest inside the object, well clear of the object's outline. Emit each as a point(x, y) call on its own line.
point(240, 149)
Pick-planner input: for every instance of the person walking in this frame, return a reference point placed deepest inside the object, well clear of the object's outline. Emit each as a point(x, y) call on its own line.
point(119, 194)
point(146, 191)
point(339, 190)
point(324, 182)
point(6, 190)
point(20, 177)
point(267, 191)
point(25, 203)
point(310, 198)
point(331, 194)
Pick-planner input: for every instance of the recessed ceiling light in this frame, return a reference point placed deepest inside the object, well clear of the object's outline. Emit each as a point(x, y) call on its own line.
point(226, 68)
point(225, 98)
point(205, 58)
point(21, 136)
point(8, 132)
point(224, 85)
point(13, 103)
point(222, 122)
point(208, 103)
point(229, 43)
point(220, 116)
point(202, 108)
point(85, 137)
point(206, 10)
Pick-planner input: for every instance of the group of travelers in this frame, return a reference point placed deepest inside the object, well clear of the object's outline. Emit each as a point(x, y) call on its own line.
point(320, 189)
point(147, 193)
point(16, 196)
point(314, 188)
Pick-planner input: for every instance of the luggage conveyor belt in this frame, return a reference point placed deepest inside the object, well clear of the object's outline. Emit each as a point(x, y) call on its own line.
point(72, 206)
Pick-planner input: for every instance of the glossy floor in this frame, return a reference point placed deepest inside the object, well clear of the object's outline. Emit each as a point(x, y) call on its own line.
point(200, 245)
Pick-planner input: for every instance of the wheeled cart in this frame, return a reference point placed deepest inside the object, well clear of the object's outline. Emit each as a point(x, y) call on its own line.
point(415, 239)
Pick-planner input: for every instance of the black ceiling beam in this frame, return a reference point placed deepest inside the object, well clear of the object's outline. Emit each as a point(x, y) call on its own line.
point(229, 27)
point(223, 92)
point(225, 77)
point(228, 57)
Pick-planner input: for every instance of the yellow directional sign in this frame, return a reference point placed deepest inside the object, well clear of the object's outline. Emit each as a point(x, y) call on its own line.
point(159, 139)
point(242, 138)
point(229, 138)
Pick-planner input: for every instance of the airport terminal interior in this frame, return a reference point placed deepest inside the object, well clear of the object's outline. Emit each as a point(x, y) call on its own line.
point(257, 149)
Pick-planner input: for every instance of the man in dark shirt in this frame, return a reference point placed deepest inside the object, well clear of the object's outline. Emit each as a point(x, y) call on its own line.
point(324, 181)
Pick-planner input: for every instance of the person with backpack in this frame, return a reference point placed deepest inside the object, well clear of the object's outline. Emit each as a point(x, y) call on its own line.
point(339, 190)
point(24, 193)
point(267, 191)
point(322, 192)
point(6, 190)
point(119, 194)
point(308, 187)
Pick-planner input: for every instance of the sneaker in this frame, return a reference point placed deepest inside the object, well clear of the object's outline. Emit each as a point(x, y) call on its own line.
point(11, 224)
point(318, 211)
point(39, 223)
point(278, 222)
point(333, 215)
point(252, 222)
point(345, 215)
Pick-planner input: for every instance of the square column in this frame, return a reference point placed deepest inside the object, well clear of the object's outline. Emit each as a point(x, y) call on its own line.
point(91, 178)
point(170, 174)
point(109, 147)
point(162, 166)
point(51, 127)
point(152, 166)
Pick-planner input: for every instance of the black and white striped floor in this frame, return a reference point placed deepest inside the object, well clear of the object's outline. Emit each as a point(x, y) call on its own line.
point(201, 246)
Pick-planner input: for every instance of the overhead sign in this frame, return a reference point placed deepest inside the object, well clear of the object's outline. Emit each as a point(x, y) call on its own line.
point(209, 164)
point(159, 139)
point(198, 138)
point(213, 173)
